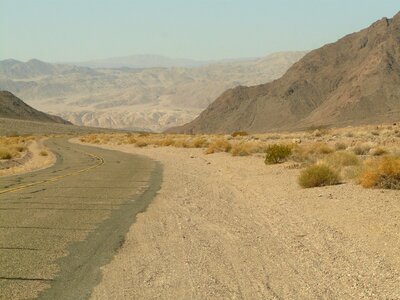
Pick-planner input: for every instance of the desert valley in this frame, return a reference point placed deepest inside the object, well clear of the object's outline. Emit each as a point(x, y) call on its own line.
point(146, 177)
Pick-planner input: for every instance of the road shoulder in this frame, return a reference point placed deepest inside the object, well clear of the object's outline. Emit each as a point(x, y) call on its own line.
point(223, 227)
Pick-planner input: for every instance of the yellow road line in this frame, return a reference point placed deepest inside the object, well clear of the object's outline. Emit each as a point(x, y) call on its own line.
point(53, 179)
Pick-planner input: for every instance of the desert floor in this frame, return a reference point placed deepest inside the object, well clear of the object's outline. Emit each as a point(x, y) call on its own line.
point(232, 227)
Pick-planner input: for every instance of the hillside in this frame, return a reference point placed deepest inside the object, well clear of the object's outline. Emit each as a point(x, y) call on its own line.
point(353, 81)
point(149, 99)
point(12, 107)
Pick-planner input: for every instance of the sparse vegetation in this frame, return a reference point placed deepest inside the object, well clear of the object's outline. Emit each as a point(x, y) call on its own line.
point(277, 153)
point(317, 176)
point(328, 156)
point(13, 146)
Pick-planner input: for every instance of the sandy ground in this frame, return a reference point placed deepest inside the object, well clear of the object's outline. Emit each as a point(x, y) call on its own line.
point(36, 162)
point(227, 227)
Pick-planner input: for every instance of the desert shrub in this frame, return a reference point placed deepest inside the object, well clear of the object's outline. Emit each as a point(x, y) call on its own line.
point(199, 142)
point(248, 148)
point(317, 133)
point(239, 133)
point(340, 146)
point(141, 144)
point(240, 150)
point(144, 134)
point(341, 159)
point(310, 153)
point(43, 153)
point(378, 151)
point(323, 148)
point(317, 176)
point(383, 173)
point(131, 140)
point(277, 153)
point(181, 143)
point(20, 148)
point(218, 145)
point(4, 154)
point(362, 149)
point(163, 141)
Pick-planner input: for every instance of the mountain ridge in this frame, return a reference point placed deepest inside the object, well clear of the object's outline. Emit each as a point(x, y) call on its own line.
point(149, 99)
point(11, 107)
point(353, 81)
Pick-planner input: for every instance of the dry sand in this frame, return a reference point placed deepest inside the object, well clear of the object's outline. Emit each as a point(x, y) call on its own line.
point(227, 227)
point(33, 162)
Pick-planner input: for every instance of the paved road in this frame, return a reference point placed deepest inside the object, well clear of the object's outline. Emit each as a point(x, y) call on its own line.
point(58, 226)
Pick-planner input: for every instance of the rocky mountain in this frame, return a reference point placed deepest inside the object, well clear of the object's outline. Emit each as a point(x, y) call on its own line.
point(146, 99)
point(355, 80)
point(12, 107)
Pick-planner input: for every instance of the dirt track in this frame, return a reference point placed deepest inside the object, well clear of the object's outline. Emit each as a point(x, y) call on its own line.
point(224, 227)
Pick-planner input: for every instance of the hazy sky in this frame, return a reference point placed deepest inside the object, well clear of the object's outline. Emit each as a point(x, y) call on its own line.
point(74, 30)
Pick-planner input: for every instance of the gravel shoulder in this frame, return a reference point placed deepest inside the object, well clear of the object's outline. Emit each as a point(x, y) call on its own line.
point(224, 227)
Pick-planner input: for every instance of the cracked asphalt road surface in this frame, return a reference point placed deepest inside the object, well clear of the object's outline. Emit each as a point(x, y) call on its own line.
point(59, 225)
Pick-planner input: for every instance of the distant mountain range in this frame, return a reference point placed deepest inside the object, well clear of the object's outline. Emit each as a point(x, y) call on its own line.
point(34, 68)
point(134, 98)
point(353, 81)
point(142, 62)
point(12, 107)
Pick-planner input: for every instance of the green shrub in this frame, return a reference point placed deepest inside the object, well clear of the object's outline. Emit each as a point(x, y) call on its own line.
point(317, 176)
point(277, 153)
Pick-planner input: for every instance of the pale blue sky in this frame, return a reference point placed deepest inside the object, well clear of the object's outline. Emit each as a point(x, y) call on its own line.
point(74, 30)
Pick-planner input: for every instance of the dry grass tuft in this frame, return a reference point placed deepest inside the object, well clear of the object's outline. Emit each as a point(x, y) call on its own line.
point(383, 173)
point(378, 151)
point(341, 159)
point(362, 149)
point(310, 153)
point(340, 146)
point(218, 145)
point(317, 176)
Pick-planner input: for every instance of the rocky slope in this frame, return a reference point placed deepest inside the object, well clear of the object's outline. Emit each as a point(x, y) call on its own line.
point(353, 81)
point(150, 99)
point(12, 107)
